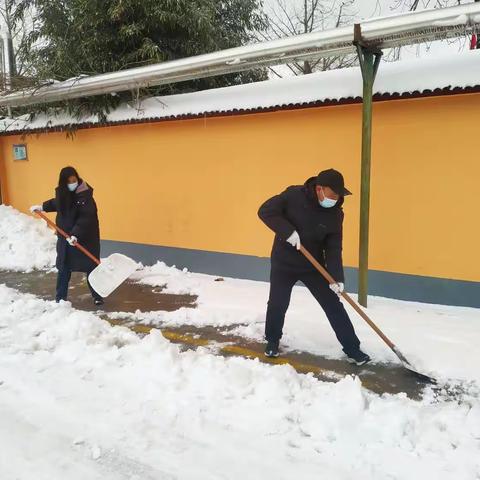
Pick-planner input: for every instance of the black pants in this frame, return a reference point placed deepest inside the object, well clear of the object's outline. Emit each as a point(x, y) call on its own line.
point(63, 279)
point(281, 285)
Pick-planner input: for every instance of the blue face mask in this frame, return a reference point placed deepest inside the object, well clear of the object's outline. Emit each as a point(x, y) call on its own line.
point(327, 202)
point(72, 186)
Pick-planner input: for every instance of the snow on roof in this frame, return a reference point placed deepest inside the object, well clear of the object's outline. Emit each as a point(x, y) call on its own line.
point(417, 76)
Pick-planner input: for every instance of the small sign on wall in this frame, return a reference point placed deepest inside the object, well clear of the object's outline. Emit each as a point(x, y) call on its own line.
point(20, 152)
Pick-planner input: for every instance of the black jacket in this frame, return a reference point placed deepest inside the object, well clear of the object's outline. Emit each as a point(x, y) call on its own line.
point(80, 220)
point(320, 229)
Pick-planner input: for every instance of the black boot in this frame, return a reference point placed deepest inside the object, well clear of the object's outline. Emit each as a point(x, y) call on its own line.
point(98, 301)
point(271, 350)
point(358, 357)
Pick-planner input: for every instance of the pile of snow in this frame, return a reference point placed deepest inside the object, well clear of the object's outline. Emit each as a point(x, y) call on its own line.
point(26, 243)
point(98, 402)
point(81, 399)
point(174, 281)
point(460, 70)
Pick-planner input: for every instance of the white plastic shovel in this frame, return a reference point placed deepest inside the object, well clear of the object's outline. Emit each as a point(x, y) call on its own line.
point(110, 273)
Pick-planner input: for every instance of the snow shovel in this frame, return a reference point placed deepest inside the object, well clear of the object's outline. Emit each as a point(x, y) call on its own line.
point(358, 309)
point(110, 273)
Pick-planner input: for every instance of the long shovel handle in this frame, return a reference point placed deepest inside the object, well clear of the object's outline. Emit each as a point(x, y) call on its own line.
point(347, 297)
point(357, 308)
point(66, 235)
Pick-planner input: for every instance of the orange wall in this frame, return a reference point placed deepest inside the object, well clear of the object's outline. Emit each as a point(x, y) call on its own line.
point(198, 183)
point(3, 179)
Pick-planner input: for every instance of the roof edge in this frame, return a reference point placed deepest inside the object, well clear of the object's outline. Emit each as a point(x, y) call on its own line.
point(378, 97)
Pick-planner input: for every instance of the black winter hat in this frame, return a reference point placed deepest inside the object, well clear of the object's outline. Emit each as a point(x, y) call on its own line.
point(333, 179)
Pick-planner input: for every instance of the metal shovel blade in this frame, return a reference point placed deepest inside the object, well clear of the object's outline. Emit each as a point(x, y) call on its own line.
point(111, 273)
point(408, 366)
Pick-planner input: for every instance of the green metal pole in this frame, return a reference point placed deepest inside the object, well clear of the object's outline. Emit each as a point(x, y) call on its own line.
point(369, 62)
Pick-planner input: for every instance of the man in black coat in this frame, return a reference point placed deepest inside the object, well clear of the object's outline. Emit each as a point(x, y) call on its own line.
point(310, 215)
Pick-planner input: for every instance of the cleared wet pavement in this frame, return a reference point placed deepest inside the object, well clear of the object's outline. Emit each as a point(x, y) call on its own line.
point(129, 297)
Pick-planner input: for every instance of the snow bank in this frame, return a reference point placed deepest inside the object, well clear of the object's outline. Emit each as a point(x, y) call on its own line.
point(80, 399)
point(26, 243)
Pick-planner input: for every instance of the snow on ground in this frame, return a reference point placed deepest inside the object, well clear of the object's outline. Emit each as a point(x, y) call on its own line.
point(25, 243)
point(437, 339)
point(82, 399)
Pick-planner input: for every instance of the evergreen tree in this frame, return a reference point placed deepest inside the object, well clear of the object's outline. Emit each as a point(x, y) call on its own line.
point(87, 37)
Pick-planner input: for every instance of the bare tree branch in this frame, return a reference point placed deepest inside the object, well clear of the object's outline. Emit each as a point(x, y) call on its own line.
point(305, 16)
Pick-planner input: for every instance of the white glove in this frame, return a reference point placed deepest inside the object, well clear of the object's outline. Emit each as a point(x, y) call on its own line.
point(72, 240)
point(36, 208)
point(337, 288)
point(294, 240)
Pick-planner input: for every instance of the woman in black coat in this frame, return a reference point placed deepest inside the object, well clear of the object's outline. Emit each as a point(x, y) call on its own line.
point(77, 215)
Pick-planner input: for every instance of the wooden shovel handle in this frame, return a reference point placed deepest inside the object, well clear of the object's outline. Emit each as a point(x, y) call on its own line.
point(347, 297)
point(66, 235)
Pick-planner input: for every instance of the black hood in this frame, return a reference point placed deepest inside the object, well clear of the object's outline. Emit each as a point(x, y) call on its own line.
point(84, 188)
point(309, 189)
